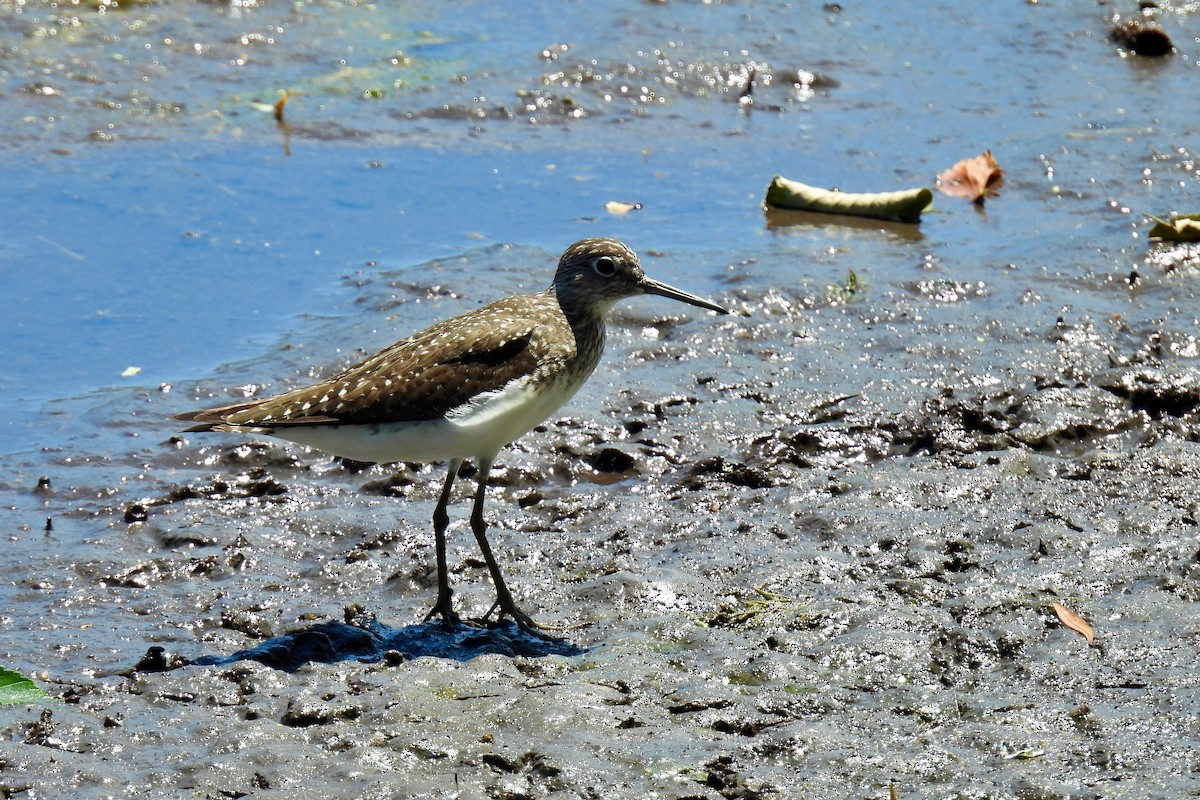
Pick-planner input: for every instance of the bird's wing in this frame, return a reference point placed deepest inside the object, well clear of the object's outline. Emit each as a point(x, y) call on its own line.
point(421, 377)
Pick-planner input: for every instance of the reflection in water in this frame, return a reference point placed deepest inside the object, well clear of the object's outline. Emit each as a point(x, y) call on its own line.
point(781, 219)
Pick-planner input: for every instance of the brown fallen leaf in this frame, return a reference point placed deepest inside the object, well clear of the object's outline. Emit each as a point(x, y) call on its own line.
point(1073, 621)
point(279, 104)
point(974, 178)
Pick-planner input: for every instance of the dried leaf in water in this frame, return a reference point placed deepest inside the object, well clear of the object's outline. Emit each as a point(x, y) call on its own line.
point(614, 207)
point(275, 108)
point(973, 178)
point(1179, 228)
point(1073, 621)
point(279, 104)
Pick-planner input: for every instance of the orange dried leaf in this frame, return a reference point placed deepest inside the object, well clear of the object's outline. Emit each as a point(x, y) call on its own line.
point(973, 178)
point(1073, 621)
point(279, 104)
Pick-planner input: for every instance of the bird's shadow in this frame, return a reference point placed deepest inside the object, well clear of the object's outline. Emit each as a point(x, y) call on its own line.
point(366, 639)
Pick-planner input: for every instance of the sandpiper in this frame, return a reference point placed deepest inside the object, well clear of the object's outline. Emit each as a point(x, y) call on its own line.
point(462, 388)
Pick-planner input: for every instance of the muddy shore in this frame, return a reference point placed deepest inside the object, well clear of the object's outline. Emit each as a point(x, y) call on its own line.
point(809, 550)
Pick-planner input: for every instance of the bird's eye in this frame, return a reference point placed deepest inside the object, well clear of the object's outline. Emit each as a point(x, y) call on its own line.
point(605, 266)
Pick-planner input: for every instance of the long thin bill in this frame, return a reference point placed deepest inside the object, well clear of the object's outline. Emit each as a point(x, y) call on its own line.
point(650, 286)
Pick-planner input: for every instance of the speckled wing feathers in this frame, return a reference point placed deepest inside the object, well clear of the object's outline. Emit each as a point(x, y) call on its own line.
point(424, 376)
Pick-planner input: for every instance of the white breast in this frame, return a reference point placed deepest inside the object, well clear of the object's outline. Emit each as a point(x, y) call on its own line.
point(478, 429)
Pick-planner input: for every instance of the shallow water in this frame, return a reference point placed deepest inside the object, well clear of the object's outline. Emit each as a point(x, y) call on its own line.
point(1002, 416)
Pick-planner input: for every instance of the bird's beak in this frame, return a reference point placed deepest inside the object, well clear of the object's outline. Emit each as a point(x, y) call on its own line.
point(650, 286)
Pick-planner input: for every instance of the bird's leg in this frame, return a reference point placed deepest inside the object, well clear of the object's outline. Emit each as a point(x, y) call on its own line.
point(441, 520)
point(504, 598)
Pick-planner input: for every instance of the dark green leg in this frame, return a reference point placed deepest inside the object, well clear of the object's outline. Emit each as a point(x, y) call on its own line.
point(504, 598)
point(444, 607)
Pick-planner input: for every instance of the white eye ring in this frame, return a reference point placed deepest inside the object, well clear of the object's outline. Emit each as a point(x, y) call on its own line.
point(605, 266)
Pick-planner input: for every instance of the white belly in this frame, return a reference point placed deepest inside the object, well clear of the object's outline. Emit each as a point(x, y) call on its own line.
point(478, 430)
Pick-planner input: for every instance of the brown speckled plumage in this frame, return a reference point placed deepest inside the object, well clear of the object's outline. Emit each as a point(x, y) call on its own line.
point(428, 374)
point(462, 388)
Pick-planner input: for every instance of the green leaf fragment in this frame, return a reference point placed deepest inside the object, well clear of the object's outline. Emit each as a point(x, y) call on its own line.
point(1179, 228)
point(749, 610)
point(902, 206)
point(17, 690)
point(840, 295)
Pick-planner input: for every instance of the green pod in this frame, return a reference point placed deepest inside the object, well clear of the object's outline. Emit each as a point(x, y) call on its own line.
point(903, 206)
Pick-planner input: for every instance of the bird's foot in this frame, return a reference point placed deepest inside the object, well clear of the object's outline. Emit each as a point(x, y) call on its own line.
point(523, 621)
point(444, 608)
